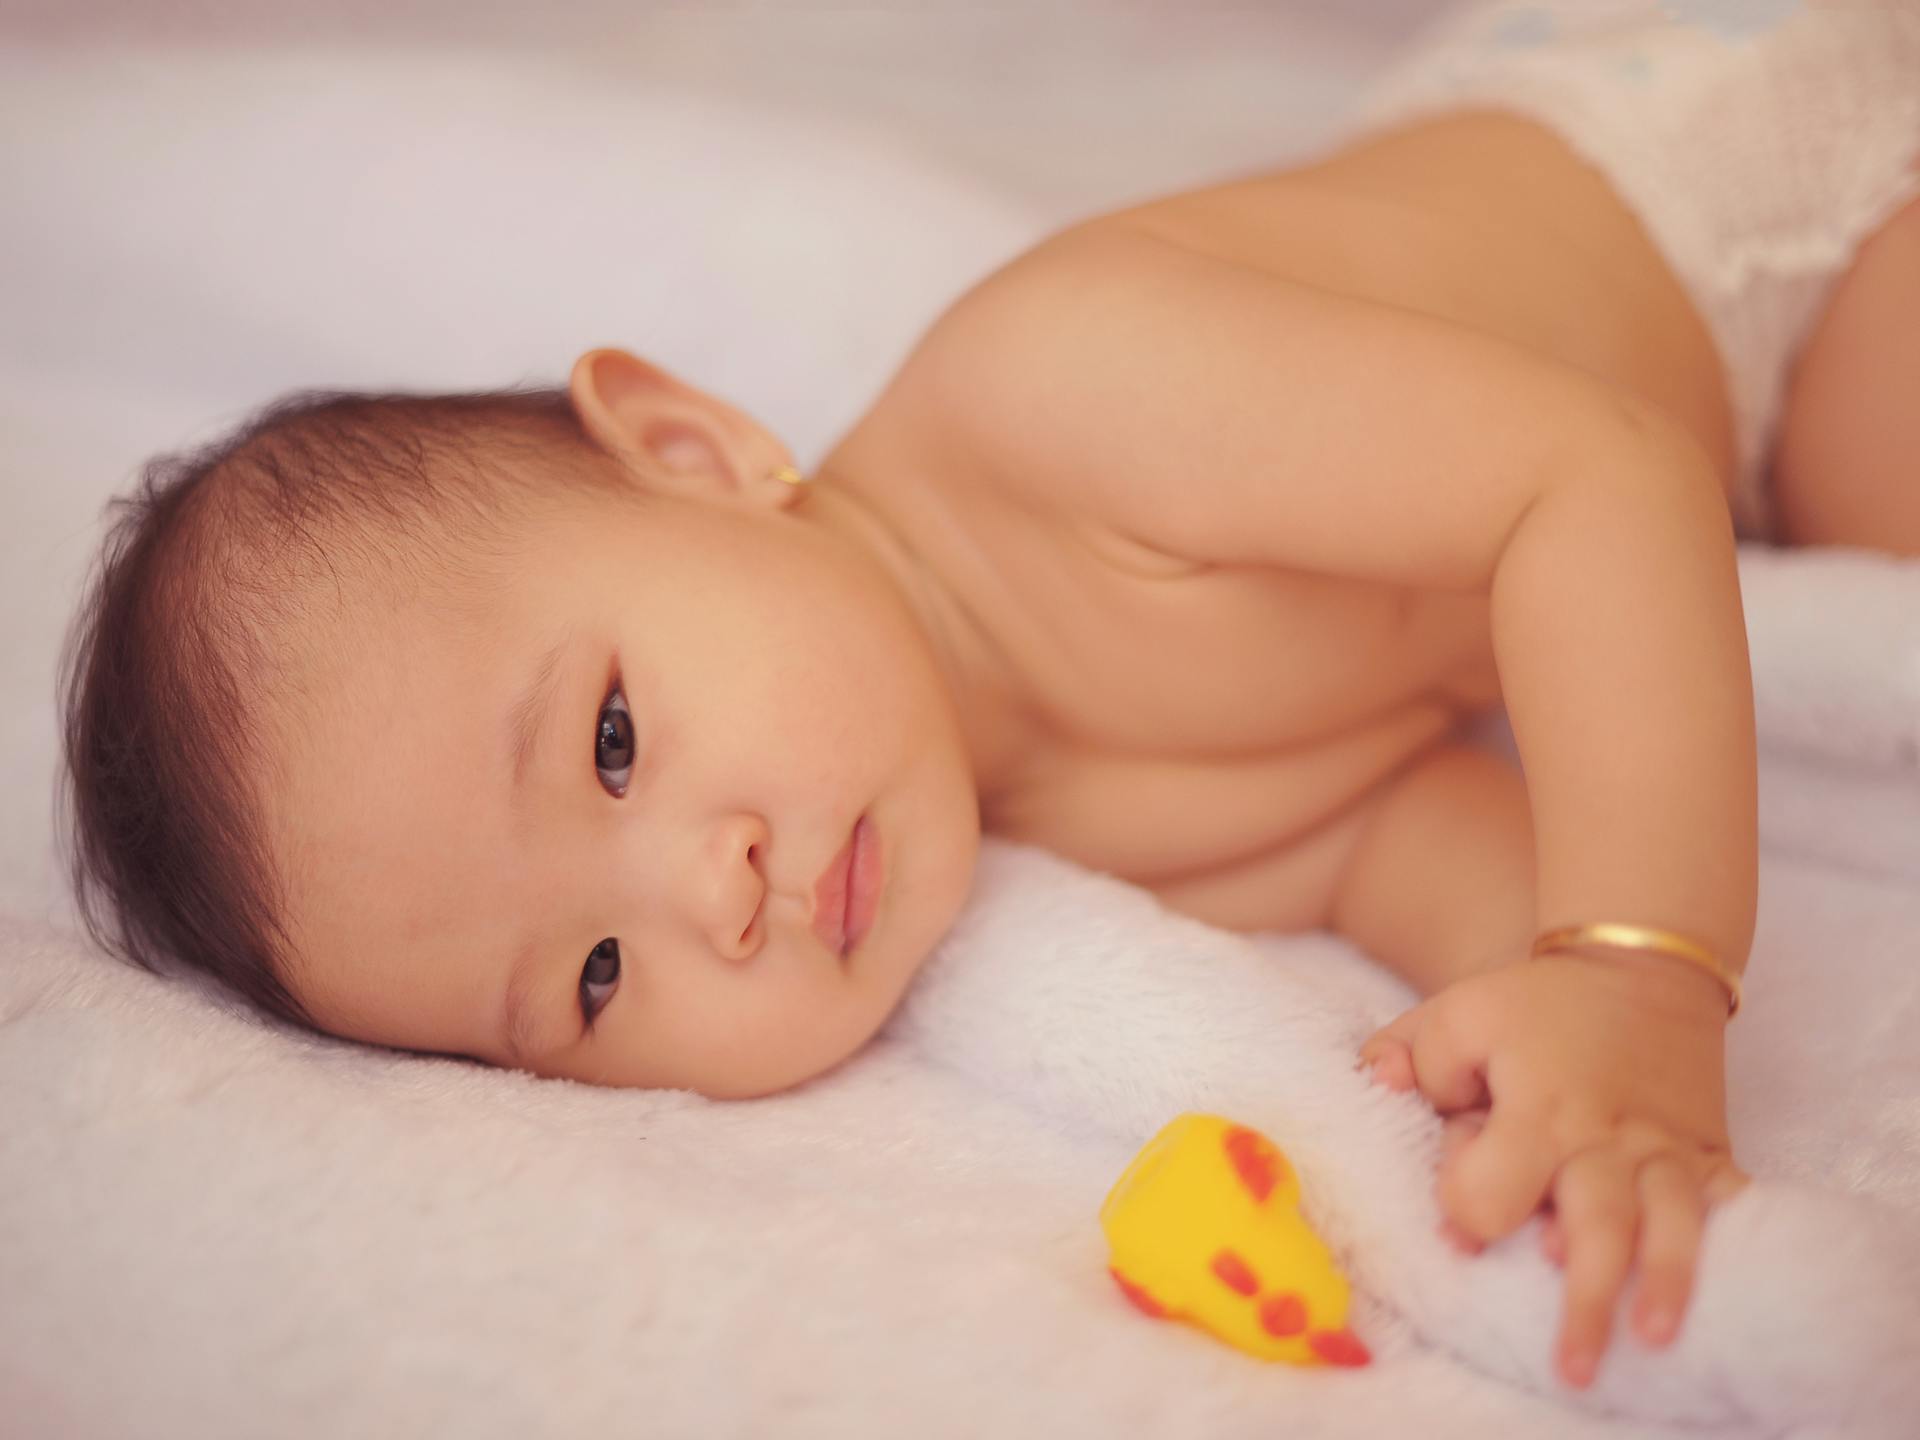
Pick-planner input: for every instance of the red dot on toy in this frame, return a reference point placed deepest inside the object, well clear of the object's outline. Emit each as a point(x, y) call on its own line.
point(1254, 1160)
point(1283, 1315)
point(1141, 1299)
point(1339, 1347)
point(1235, 1273)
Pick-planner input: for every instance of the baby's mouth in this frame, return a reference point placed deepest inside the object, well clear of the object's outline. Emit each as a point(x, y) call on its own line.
point(830, 894)
point(848, 890)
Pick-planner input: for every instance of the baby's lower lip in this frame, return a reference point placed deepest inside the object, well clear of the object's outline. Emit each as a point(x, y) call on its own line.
point(830, 896)
point(864, 878)
point(848, 891)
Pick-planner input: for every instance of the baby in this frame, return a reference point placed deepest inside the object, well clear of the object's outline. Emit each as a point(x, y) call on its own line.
point(578, 731)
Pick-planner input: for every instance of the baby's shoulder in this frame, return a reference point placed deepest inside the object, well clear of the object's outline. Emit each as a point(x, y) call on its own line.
point(975, 397)
point(947, 411)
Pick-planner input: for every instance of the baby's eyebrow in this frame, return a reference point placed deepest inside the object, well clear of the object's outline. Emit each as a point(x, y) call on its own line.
point(529, 713)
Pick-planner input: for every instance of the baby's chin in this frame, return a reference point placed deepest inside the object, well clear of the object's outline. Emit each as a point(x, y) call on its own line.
point(754, 1082)
point(779, 1082)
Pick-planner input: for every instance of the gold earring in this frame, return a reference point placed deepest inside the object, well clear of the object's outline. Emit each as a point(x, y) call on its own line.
point(791, 476)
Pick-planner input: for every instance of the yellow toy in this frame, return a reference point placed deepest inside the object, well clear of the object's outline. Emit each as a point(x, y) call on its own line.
point(1205, 1226)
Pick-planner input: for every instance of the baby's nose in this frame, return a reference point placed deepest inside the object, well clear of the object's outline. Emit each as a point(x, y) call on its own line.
point(730, 889)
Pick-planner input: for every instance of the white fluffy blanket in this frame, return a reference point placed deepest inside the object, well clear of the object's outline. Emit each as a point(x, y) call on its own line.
point(204, 1221)
point(211, 1227)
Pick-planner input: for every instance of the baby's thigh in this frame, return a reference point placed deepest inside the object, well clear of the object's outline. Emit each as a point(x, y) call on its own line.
point(1847, 467)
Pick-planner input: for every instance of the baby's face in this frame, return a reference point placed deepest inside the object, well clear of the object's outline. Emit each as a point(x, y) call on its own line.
point(715, 697)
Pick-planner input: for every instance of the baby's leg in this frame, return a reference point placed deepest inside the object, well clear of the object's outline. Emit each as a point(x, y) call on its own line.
point(1847, 467)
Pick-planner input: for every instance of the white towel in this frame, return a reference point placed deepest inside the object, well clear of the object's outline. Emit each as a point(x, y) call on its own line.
point(1085, 999)
point(204, 1221)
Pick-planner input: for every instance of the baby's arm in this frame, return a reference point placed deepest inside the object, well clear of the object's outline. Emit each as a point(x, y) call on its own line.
point(1230, 416)
point(1234, 417)
point(1439, 886)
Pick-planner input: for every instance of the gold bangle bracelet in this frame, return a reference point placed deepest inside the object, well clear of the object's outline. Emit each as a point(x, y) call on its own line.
point(1643, 938)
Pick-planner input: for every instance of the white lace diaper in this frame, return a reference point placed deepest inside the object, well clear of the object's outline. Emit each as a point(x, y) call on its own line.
point(1758, 141)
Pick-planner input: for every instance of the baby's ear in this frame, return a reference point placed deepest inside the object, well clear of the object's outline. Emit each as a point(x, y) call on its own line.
point(673, 437)
point(621, 400)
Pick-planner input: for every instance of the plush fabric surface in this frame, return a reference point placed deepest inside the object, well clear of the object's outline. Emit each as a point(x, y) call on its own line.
point(210, 1226)
point(203, 1220)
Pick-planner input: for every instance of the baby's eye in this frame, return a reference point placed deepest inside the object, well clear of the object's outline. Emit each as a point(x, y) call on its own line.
point(613, 744)
point(602, 968)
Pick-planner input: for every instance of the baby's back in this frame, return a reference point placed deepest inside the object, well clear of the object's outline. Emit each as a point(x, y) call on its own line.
point(1485, 219)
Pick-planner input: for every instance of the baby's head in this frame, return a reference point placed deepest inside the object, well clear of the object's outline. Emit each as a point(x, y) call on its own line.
point(518, 726)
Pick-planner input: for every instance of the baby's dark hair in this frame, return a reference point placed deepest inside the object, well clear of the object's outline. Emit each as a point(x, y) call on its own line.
point(202, 571)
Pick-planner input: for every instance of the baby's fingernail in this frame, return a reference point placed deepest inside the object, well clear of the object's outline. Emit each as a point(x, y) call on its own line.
point(1377, 1071)
point(1659, 1325)
point(1578, 1366)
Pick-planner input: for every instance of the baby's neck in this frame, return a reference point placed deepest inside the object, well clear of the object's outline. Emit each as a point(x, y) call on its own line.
point(905, 525)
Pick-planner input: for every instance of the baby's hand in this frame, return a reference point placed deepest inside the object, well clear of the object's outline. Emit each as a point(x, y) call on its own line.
point(1594, 1086)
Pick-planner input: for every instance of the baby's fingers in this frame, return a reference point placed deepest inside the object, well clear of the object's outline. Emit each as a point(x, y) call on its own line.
point(1430, 1046)
point(1598, 1209)
point(1492, 1183)
point(1390, 1061)
point(1553, 1241)
point(1673, 1215)
point(1459, 1131)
